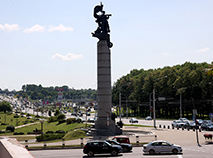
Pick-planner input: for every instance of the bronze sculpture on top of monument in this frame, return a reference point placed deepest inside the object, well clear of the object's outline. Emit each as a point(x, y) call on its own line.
point(102, 32)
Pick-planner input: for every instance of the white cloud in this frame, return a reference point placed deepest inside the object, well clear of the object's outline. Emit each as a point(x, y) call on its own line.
point(203, 49)
point(35, 28)
point(164, 54)
point(9, 27)
point(67, 57)
point(60, 28)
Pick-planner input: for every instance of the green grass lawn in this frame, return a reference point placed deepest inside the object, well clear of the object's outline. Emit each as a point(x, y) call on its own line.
point(10, 120)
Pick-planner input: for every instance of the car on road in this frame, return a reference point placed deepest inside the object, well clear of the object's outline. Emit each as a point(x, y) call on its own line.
point(177, 124)
point(101, 147)
point(161, 147)
point(87, 113)
point(121, 139)
point(133, 120)
point(148, 118)
point(91, 119)
point(126, 147)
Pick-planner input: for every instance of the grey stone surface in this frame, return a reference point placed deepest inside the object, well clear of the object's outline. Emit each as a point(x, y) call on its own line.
point(104, 124)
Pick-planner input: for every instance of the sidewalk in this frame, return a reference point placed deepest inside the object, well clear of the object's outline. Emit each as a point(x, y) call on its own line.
point(145, 134)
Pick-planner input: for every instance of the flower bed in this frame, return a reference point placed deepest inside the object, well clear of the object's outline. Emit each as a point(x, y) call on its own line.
point(208, 136)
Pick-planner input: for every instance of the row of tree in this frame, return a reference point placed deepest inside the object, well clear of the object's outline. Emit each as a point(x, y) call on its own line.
point(35, 92)
point(189, 80)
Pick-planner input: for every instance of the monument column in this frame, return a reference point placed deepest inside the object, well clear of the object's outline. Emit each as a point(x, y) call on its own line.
point(104, 125)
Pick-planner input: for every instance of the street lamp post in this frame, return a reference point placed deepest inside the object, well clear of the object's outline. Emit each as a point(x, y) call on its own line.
point(42, 124)
point(120, 99)
point(154, 114)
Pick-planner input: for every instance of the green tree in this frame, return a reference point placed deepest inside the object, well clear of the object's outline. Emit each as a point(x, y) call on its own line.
point(5, 106)
point(57, 112)
point(61, 117)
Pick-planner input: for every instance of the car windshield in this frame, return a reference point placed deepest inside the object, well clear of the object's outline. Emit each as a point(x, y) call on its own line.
point(115, 142)
point(108, 143)
point(178, 121)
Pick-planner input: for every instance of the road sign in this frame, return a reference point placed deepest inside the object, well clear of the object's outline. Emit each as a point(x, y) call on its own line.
point(211, 115)
point(60, 89)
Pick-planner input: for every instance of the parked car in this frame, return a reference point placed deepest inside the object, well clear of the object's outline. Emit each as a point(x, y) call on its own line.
point(207, 121)
point(148, 118)
point(126, 147)
point(200, 121)
point(100, 147)
point(177, 123)
point(121, 139)
point(133, 120)
point(80, 114)
point(184, 120)
point(87, 113)
point(74, 113)
point(207, 125)
point(161, 147)
point(191, 125)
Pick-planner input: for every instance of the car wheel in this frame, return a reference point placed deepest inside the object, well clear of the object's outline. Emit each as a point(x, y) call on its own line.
point(174, 151)
point(125, 149)
point(114, 153)
point(151, 152)
point(90, 153)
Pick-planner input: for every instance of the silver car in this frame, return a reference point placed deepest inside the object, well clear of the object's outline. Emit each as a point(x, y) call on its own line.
point(161, 147)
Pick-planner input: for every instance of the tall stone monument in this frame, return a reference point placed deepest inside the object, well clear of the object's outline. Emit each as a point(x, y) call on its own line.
point(104, 124)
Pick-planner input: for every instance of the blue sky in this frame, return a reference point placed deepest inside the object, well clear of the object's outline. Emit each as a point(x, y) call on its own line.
point(49, 42)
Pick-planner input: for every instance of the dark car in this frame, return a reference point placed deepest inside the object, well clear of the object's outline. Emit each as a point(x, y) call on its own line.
point(126, 147)
point(101, 147)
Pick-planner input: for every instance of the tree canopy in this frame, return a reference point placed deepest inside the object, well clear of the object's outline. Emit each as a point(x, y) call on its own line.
point(190, 79)
point(5, 106)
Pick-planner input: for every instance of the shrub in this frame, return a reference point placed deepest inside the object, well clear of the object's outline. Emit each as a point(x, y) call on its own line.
point(71, 120)
point(28, 115)
point(60, 131)
point(4, 124)
point(52, 119)
point(18, 133)
point(16, 116)
point(47, 137)
point(37, 116)
point(10, 128)
point(78, 120)
point(30, 133)
point(49, 132)
point(61, 121)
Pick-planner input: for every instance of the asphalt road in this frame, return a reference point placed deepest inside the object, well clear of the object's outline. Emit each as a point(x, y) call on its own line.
point(188, 152)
